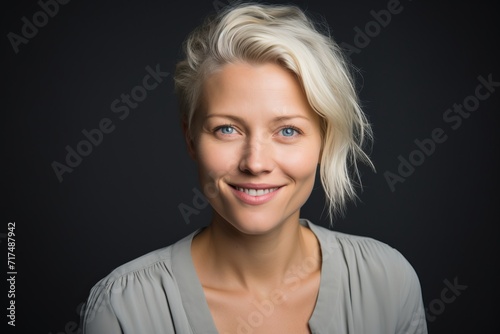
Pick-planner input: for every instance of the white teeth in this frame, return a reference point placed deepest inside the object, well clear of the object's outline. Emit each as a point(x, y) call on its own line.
point(256, 192)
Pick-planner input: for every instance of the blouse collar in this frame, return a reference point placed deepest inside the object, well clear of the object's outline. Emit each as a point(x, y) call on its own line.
point(196, 306)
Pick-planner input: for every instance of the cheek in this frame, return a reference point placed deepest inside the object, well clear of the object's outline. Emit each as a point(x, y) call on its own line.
point(215, 160)
point(300, 161)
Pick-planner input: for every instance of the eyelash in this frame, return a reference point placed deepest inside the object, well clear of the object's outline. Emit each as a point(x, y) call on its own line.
point(216, 129)
point(293, 127)
point(289, 126)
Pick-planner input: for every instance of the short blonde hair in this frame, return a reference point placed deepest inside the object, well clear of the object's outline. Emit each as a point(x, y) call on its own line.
point(284, 34)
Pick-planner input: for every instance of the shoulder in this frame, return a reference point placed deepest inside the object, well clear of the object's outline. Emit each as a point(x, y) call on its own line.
point(157, 260)
point(375, 279)
point(358, 250)
point(136, 285)
point(370, 251)
point(143, 273)
point(368, 262)
point(151, 271)
point(150, 267)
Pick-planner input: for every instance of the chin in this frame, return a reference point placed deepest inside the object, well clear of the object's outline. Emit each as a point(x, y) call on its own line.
point(256, 223)
point(254, 229)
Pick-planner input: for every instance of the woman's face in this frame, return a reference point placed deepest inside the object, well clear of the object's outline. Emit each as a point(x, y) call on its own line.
point(257, 144)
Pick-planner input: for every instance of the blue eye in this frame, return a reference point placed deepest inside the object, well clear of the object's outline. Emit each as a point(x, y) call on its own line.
point(226, 130)
point(288, 132)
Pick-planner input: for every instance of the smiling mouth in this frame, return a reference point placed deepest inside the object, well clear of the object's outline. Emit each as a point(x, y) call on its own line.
point(256, 192)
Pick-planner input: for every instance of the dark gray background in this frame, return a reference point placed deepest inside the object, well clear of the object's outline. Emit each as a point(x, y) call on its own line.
point(122, 200)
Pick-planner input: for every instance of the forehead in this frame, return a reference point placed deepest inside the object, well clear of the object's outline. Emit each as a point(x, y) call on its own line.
point(253, 88)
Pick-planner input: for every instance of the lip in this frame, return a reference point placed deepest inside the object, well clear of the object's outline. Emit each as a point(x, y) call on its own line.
point(254, 200)
point(255, 185)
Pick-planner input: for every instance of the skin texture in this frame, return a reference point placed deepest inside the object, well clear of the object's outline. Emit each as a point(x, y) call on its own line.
point(259, 268)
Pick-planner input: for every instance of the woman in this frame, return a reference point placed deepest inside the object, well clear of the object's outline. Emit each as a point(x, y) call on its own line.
point(265, 99)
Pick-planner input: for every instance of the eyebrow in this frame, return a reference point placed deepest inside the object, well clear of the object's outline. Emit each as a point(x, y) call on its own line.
point(275, 120)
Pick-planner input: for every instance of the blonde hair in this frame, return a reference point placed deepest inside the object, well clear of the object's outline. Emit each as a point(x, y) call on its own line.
point(260, 33)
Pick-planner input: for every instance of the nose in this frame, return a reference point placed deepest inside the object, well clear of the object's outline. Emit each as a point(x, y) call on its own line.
point(257, 157)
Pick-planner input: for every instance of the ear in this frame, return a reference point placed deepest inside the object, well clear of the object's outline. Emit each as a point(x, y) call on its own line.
point(189, 140)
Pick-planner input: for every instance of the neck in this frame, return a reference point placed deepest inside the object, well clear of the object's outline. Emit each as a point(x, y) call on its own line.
point(250, 261)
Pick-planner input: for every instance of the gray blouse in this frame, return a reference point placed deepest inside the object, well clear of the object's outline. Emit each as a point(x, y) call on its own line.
point(366, 287)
